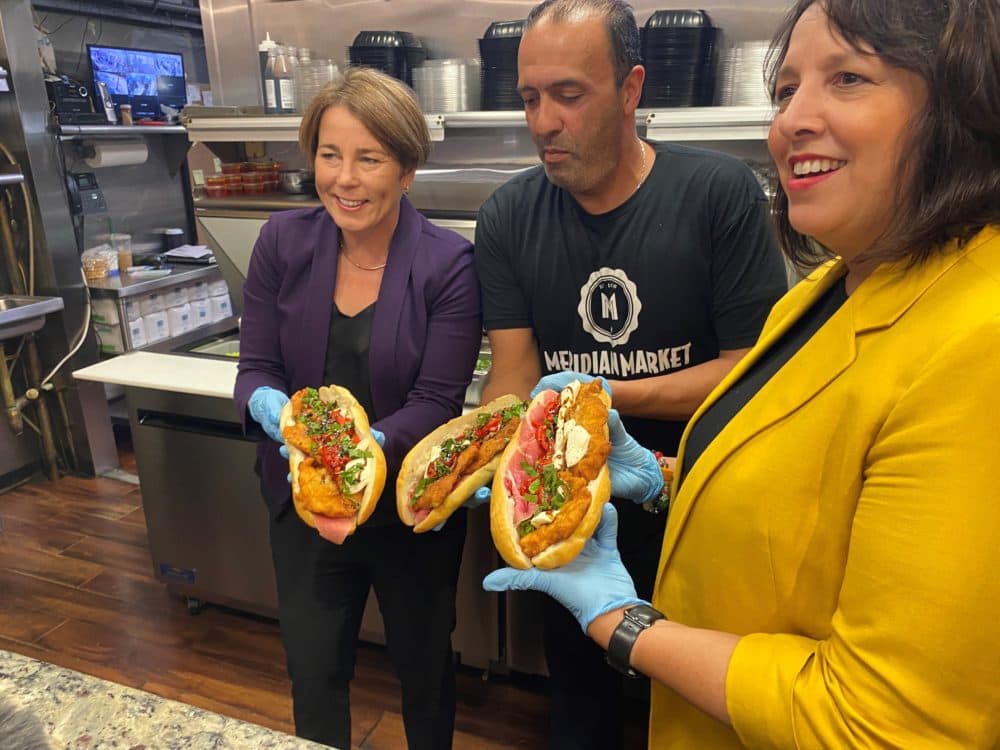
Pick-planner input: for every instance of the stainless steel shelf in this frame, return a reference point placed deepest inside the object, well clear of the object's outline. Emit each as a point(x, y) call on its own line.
point(117, 131)
point(251, 128)
point(268, 202)
point(118, 286)
point(706, 123)
point(682, 124)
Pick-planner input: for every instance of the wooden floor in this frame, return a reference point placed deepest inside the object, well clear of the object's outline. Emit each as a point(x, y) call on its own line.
point(76, 590)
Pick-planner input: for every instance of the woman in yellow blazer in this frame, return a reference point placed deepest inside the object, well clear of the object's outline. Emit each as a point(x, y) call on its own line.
point(830, 575)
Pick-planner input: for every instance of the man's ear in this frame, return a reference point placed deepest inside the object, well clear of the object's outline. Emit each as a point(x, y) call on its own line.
point(632, 89)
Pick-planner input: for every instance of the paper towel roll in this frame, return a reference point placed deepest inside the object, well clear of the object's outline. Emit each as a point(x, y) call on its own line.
point(117, 153)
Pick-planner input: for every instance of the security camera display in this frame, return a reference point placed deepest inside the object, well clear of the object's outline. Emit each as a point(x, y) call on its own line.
point(143, 78)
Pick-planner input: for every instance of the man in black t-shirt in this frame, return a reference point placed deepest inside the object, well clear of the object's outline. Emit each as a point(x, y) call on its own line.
point(650, 266)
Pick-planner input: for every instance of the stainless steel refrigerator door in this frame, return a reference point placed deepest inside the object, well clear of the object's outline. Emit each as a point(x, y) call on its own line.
point(208, 526)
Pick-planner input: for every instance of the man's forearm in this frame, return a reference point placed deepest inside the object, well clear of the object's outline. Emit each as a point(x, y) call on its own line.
point(675, 396)
point(518, 382)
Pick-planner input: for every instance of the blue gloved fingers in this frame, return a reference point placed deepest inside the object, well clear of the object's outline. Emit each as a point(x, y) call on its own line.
point(511, 579)
point(265, 406)
point(480, 497)
point(616, 430)
point(606, 533)
point(379, 437)
point(283, 450)
point(556, 381)
point(440, 525)
point(635, 473)
point(289, 478)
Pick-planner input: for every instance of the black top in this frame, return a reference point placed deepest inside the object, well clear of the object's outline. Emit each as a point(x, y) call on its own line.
point(347, 366)
point(685, 267)
point(719, 414)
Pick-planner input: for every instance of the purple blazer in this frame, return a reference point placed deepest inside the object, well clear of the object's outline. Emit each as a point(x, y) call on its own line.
point(424, 341)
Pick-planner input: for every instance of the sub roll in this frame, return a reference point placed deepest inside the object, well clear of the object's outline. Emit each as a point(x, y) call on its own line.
point(553, 479)
point(338, 470)
point(443, 470)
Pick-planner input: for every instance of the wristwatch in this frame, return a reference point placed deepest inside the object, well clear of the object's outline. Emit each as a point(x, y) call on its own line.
point(637, 619)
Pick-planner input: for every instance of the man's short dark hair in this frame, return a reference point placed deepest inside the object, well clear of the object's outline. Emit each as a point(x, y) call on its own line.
point(619, 21)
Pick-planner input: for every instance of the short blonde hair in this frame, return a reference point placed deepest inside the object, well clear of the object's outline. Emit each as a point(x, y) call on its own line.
point(386, 106)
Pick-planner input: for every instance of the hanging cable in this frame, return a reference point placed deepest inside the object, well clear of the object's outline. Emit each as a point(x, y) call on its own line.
point(84, 329)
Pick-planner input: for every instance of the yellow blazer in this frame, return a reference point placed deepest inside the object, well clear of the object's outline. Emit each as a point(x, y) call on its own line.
point(846, 523)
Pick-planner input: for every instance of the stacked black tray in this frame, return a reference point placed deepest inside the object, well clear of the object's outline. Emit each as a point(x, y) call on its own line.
point(394, 52)
point(498, 54)
point(680, 51)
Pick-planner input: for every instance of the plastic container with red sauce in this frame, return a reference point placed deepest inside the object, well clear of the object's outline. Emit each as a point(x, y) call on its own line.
point(216, 187)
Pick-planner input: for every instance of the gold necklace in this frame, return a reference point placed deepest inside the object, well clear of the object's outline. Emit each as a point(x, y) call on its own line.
point(642, 169)
point(350, 260)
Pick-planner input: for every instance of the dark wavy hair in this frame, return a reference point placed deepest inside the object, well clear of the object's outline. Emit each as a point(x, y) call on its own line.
point(952, 158)
point(619, 22)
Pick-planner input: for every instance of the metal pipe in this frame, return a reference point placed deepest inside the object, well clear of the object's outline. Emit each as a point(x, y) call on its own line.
point(44, 421)
point(9, 401)
point(9, 252)
point(67, 422)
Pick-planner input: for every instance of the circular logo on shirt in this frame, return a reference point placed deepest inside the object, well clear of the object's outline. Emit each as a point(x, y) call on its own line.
point(609, 306)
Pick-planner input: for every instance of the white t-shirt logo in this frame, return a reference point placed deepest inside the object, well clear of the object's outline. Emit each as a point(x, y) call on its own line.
point(609, 306)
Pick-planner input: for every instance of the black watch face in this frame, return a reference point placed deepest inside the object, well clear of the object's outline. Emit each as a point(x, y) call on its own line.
point(644, 615)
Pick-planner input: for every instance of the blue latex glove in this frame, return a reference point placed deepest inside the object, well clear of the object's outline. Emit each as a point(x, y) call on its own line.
point(559, 380)
point(595, 582)
point(477, 498)
point(379, 437)
point(635, 474)
point(265, 407)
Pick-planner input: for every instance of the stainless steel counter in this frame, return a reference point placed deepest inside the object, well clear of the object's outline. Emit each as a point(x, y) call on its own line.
point(128, 285)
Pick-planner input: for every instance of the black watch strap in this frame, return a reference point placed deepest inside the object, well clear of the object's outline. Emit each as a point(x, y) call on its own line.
point(637, 619)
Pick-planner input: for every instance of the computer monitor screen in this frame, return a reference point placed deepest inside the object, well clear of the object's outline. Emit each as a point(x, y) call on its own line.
point(143, 78)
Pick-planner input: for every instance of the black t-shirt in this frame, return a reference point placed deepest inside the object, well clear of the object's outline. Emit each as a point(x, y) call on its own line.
point(347, 366)
point(739, 394)
point(686, 267)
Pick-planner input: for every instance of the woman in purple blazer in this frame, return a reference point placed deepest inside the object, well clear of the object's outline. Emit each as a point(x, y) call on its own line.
point(366, 293)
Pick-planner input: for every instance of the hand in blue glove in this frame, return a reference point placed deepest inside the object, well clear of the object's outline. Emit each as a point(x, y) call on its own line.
point(379, 437)
point(559, 380)
point(595, 582)
point(265, 407)
point(477, 498)
point(635, 474)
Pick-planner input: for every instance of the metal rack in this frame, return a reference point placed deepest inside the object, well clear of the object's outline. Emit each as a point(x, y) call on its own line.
point(682, 124)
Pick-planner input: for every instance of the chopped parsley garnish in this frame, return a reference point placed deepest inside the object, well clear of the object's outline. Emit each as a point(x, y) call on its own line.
point(486, 425)
point(334, 438)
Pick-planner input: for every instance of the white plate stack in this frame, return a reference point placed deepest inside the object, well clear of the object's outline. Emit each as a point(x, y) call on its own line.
point(741, 78)
point(450, 85)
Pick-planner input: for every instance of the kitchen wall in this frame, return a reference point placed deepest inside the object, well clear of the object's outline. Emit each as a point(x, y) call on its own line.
point(233, 28)
point(140, 198)
point(70, 35)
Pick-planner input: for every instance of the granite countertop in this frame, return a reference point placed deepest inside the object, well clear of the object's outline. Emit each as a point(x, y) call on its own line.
point(80, 711)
